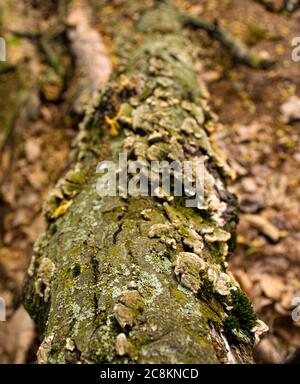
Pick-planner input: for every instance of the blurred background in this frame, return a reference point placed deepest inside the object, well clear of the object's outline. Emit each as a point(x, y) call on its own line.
point(56, 58)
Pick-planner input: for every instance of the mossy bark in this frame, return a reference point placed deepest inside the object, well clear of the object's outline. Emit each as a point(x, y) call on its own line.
point(141, 279)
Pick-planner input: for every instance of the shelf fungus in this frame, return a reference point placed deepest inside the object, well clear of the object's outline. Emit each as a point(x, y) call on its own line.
point(165, 232)
point(221, 281)
point(259, 329)
point(188, 266)
point(129, 308)
point(122, 345)
point(44, 274)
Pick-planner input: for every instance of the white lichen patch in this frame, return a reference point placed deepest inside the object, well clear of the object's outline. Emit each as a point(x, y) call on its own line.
point(149, 286)
point(159, 262)
point(183, 289)
point(116, 292)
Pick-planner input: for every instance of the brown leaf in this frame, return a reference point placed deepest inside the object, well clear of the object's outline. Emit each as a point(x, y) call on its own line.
point(290, 110)
point(263, 225)
point(272, 286)
point(32, 149)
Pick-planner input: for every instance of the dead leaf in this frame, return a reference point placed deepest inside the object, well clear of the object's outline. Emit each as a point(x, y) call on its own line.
point(272, 286)
point(16, 337)
point(37, 178)
point(290, 110)
point(251, 203)
point(269, 351)
point(264, 226)
point(244, 280)
point(32, 149)
point(35, 228)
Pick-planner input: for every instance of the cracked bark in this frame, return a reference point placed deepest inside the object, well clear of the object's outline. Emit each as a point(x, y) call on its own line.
point(141, 279)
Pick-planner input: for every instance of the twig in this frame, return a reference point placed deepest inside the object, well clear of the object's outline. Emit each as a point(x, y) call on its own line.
point(288, 6)
point(237, 50)
point(45, 47)
point(11, 124)
point(25, 34)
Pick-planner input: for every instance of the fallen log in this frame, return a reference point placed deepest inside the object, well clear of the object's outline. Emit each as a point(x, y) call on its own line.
point(142, 279)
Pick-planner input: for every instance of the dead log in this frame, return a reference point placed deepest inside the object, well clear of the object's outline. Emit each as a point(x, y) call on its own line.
point(124, 279)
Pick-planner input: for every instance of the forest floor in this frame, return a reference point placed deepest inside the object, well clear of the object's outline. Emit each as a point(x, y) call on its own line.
point(261, 141)
point(257, 131)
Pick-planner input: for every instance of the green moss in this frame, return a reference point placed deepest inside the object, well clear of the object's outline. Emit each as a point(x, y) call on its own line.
point(242, 317)
point(214, 250)
point(207, 288)
point(230, 323)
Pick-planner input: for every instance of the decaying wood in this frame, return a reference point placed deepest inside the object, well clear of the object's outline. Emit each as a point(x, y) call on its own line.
point(141, 279)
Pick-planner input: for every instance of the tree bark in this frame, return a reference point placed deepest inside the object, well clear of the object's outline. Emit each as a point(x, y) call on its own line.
point(141, 279)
